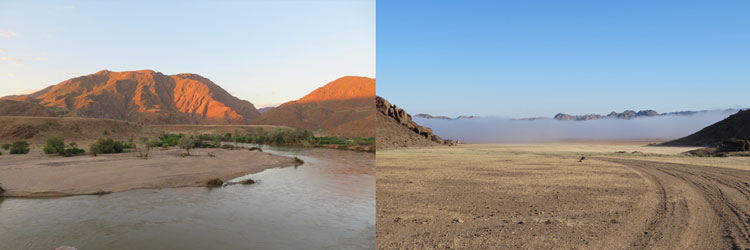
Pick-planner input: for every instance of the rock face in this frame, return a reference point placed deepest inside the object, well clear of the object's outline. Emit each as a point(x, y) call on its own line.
point(145, 96)
point(395, 128)
point(338, 103)
point(736, 126)
point(625, 115)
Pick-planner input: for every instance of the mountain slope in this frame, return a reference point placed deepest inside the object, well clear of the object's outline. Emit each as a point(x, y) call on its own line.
point(340, 102)
point(146, 96)
point(736, 126)
point(22, 108)
point(396, 129)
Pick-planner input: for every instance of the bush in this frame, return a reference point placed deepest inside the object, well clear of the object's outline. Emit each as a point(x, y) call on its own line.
point(106, 146)
point(187, 143)
point(19, 147)
point(256, 149)
point(170, 140)
point(72, 151)
point(227, 146)
point(6, 146)
point(54, 145)
point(49, 150)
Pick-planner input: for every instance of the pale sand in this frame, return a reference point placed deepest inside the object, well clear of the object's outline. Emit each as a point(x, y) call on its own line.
point(37, 175)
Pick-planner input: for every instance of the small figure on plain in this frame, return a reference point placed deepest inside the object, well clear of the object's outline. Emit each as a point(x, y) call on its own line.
point(582, 158)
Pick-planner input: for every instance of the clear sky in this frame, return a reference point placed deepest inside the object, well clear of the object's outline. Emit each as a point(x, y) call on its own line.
point(538, 58)
point(266, 52)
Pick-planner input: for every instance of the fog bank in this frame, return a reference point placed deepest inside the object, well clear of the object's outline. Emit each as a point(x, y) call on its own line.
point(494, 129)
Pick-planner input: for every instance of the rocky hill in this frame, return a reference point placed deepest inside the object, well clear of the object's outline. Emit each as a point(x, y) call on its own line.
point(23, 108)
point(145, 96)
point(341, 107)
point(395, 128)
point(736, 126)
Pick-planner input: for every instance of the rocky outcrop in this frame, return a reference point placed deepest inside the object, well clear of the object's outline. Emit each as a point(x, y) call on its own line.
point(726, 148)
point(395, 128)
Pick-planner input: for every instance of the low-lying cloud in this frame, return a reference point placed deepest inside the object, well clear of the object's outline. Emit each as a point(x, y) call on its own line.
point(494, 129)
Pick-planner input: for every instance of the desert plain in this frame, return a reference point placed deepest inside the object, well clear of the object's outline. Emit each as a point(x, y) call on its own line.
point(622, 195)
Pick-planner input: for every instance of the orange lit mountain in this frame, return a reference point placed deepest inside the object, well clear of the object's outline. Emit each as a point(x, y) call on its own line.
point(344, 107)
point(145, 96)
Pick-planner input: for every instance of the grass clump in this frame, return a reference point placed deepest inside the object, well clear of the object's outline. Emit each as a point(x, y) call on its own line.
point(106, 146)
point(227, 147)
point(19, 147)
point(6, 146)
point(255, 149)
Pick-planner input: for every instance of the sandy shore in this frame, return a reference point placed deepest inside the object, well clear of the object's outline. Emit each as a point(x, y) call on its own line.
point(539, 196)
point(39, 175)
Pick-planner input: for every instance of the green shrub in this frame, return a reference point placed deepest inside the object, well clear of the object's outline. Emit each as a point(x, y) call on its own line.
point(256, 149)
point(106, 146)
point(1, 153)
point(49, 150)
point(19, 147)
point(227, 146)
point(6, 146)
point(72, 151)
point(170, 140)
point(56, 143)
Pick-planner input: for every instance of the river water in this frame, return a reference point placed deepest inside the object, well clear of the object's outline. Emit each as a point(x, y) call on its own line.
point(326, 203)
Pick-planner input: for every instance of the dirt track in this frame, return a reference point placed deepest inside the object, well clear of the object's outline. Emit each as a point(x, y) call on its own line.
point(697, 207)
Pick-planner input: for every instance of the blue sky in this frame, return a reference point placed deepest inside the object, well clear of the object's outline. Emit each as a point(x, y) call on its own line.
point(266, 52)
point(538, 58)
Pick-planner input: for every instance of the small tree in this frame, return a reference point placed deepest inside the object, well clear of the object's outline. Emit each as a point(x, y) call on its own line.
point(187, 142)
point(144, 149)
point(55, 145)
point(19, 147)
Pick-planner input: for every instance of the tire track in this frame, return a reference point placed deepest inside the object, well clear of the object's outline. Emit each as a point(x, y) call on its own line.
point(698, 207)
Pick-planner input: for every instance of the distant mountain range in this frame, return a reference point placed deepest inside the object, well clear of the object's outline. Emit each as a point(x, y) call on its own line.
point(428, 116)
point(625, 115)
point(150, 97)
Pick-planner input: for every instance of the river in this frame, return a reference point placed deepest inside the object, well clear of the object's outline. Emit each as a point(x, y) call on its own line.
point(326, 203)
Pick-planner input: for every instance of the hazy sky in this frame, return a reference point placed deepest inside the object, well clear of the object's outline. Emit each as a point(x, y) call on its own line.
point(537, 58)
point(262, 51)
